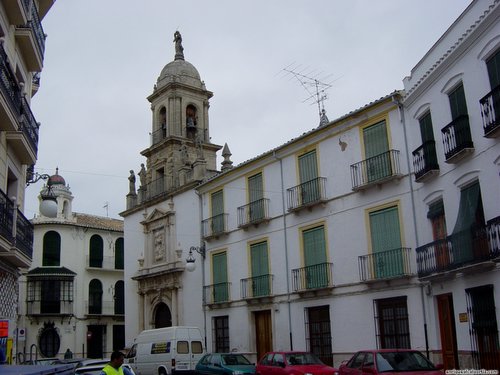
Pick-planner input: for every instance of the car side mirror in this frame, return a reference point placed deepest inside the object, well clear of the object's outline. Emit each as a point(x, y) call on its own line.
point(281, 364)
point(439, 366)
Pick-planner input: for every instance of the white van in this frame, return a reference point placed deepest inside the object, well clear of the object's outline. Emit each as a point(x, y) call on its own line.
point(166, 351)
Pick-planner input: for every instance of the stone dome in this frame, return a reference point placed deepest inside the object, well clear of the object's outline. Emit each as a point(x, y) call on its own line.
point(179, 71)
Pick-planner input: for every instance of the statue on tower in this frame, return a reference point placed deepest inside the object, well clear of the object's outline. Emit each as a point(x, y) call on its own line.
point(179, 50)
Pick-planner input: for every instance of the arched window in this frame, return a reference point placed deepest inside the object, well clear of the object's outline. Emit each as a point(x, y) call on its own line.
point(119, 254)
point(95, 297)
point(163, 121)
point(51, 249)
point(119, 298)
point(191, 121)
point(96, 248)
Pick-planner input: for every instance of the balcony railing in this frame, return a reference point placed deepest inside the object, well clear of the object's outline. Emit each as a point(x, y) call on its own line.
point(157, 136)
point(457, 138)
point(388, 264)
point(6, 216)
point(253, 213)
point(29, 126)
point(49, 308)
point(318, 276)
point(217, 293)
point(107, 263)
point(425, 160)
point(307, 194)
point(24, 235)
point(257, 286)
point(8, 85)
point(158, 187)
point(493, 232)
point(214, 226)
point(490, 112)
point(375, 170)
point(458, 250)
point(104, 308)
point(35, 25)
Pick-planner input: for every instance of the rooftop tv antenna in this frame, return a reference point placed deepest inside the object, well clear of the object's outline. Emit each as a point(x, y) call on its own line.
point(315, 83)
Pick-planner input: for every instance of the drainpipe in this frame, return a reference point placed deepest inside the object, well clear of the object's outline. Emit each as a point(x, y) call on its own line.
point(396, 100)
point(202, 246)
point(286, 251)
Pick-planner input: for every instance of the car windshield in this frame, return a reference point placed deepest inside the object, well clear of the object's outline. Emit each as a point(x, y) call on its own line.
point(235, 360)
point(402, 361)
point(297, 359)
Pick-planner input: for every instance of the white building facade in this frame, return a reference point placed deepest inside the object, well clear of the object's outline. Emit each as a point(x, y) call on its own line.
point(337, 240)
point(22, 47)
point(74, 292)
point(452, 104)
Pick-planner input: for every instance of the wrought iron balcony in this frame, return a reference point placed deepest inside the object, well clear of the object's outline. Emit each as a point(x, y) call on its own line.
point(490, 113)
point(307, 194)
point(156, 188)
point(217, 293)
point(49, 307)
point(254, 213)
point(318, 276)
point(11, 92)
point(425, 164)
point(493, 232)
point(257, 287)
point(215, 226)
point(375, 170)
point(31, 37)
point(461, 249)
point(107, 308)
point(457, 139)
point(390, 264)
point(24, 235)
point(6, 217)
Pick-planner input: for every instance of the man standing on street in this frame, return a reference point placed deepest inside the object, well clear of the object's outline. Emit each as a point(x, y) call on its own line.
point(114, 367)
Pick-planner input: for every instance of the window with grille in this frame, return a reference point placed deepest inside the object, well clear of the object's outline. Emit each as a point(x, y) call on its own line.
point(391, 323)
point(318, 330)
point(220, 327)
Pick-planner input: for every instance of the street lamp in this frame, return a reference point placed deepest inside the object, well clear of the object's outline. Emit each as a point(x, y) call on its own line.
point(190, 265)
point(48, 206)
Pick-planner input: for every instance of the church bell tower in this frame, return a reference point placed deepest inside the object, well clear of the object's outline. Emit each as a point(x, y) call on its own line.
point(180, 152)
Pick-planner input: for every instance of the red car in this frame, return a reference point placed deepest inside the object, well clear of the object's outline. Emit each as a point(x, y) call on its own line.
point(292, 363)
point(389, 361)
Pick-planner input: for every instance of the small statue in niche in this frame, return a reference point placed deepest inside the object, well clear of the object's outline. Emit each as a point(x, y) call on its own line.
point(159, 245)
point(131, 182)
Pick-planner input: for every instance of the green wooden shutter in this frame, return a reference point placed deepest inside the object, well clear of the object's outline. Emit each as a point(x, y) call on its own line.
point(315, 257)
point(458, 105)
point(308, 174)
point(220, 290)
point(217, 212)
point(96, 251)
point(386, 243)
point(260, 269)
point(426, 130)
point(51, 249)
point(378, 162)
point(256, 193)
point(493, 66)
point(119, 260)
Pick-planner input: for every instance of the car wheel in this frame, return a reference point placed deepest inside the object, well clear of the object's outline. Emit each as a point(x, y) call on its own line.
point(162, 372)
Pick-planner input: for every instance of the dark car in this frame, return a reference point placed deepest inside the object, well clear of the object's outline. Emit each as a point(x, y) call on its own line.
point(296, 363)
point(224, 364)
point(393, 361)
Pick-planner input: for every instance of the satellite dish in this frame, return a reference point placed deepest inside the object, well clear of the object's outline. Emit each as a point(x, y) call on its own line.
point(48, 207)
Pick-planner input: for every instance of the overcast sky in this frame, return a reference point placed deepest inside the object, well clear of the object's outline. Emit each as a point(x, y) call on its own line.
point(102, 58)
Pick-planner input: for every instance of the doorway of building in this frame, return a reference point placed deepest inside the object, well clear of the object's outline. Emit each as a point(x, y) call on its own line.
point(263, 332)
point(319, 340)
point(163, 316)
point(95, 340)
point(447, 331)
